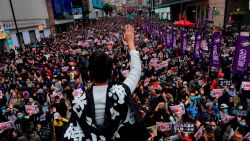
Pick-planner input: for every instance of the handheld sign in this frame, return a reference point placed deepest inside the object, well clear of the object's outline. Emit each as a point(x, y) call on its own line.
point(187, 127)
point(239, 112)
point(199, 133)
point(246, 86)
point(178, 109)
point(6, 125)
point(227, 119)
point(225, 82)
point(45, 108)
point(217, 92)
point(31, 109)
point(164, 126)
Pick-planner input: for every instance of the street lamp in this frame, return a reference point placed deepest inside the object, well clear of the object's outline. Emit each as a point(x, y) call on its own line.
point(14, 17)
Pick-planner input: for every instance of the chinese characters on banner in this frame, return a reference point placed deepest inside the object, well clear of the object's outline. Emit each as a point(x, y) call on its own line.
point(187, 127)
point(215, 51)
point(168, 44)
point(242, 55)
point(174, 38)
point(183, 42)
point(197, 45)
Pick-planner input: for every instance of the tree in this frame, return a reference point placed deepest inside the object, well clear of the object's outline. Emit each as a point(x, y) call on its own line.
point(108, 9)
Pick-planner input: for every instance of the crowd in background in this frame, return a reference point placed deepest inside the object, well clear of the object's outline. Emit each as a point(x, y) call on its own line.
point(36, 84)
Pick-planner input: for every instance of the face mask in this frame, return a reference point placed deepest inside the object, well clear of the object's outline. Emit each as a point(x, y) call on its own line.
point(4, 111)
point(231, 100)
point(30, 101)
point(211, 95)
point(242, 123)
point(225, 110)
point(20, 116)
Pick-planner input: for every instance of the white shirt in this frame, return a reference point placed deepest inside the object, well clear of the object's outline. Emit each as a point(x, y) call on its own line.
point(99, 92)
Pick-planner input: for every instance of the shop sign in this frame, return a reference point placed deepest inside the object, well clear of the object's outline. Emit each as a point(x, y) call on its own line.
point(215, 12)
point(22, 24)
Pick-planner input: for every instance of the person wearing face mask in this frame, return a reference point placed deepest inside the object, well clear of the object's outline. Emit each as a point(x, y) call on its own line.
point(224, 110)
point(3, 116)
point(22, 124)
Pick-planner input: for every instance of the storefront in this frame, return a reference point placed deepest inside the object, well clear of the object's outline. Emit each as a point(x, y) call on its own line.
point(163, 13)
point(28, 31)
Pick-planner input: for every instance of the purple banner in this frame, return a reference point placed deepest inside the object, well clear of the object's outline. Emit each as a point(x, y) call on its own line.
point(197, 46)
point(168, 39)
point(242, 55)
point(174, 38)
point(183, 42)
point(215, 50)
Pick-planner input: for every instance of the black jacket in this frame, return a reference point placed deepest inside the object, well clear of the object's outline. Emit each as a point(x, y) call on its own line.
point(121, 121)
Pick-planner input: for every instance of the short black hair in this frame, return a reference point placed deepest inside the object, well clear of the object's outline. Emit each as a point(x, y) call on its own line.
point(100, 67)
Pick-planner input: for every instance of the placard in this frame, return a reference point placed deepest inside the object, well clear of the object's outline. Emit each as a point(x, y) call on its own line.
point(239, 112)
point(187, 127)
point(199, 133)
point(65, 68)
point(164, 126)
point(216, 92)
point(31, 109)
point(162, 78)
point(246, 86)
point(45, 108)
point(227, 119)
point(178, 109)
point(225, 82)
point(6, 125)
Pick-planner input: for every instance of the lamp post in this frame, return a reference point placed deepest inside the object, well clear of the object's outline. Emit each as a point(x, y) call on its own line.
point(14, 17)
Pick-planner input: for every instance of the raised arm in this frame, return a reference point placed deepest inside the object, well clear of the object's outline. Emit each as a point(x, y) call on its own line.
point(135, 69)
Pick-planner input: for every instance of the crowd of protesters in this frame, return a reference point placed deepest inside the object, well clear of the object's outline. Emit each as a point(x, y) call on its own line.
point(37, 85)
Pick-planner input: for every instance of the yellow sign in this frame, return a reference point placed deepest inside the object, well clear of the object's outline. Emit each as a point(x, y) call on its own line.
point(40, 27)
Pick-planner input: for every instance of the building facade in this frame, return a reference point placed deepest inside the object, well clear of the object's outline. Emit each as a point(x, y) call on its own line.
point(216, 12)
point(31, 18)
point(237, 12)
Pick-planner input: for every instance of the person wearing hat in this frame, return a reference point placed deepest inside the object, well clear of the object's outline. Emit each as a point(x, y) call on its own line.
point(58, 123)
point(215, 81)
point(223, 110)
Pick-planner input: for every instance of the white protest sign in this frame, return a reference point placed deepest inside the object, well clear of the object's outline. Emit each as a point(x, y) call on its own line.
point(31, 109)
point(164, 126)
point(246, 86)
point(216, 92)
point(6, 125)
point(178, 109)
